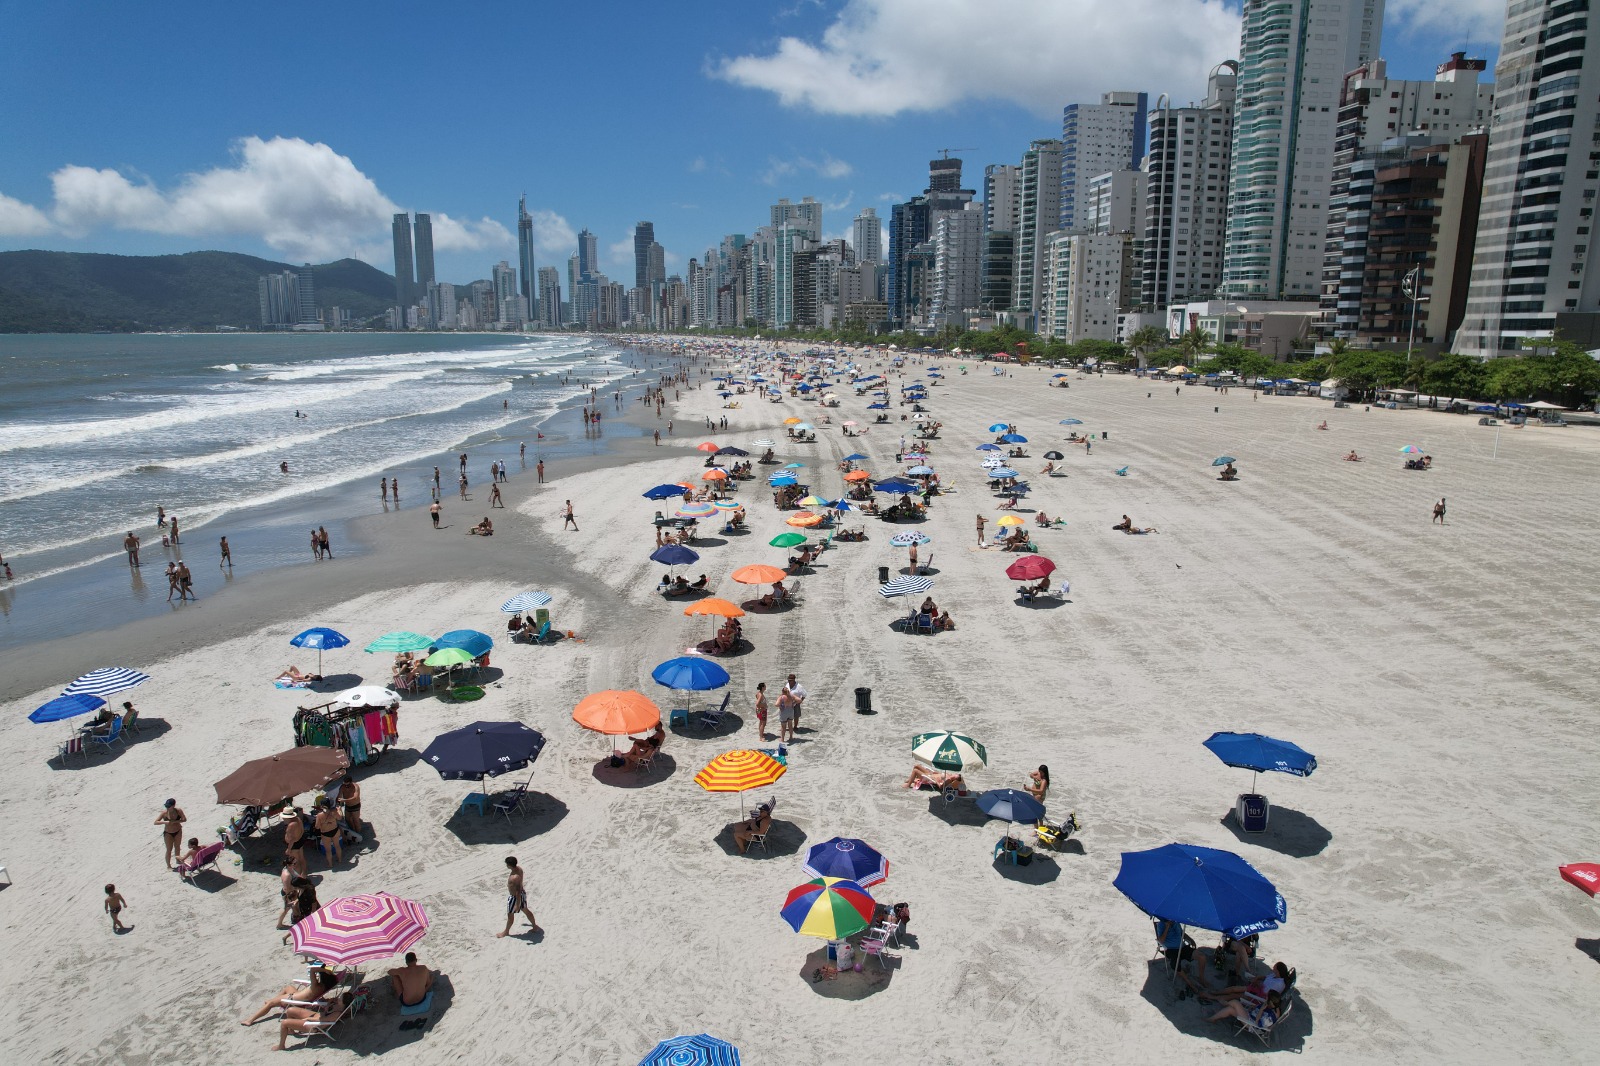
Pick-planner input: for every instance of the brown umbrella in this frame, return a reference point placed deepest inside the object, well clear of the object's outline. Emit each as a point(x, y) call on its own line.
point(266, 781)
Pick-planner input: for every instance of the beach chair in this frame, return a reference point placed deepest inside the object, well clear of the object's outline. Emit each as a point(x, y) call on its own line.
point(106, 739)
point(71, 746)
point(874, 945)
point(926, 563)
point(1056, 834)
point(130, 723)
point(206, 856)
point(924, 624)
point(312, 1028)
point(544, 632)
point(1267, 1034)
point(512, 801)
point(710, 719)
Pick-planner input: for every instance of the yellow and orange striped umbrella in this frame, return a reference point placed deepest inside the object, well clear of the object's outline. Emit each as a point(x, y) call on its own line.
point(805, 520)
point(738, 771)
point(758, 574)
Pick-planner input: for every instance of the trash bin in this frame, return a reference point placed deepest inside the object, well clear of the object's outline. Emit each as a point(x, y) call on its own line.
point(1252, 812)
point(863, 701)
point(883, 575)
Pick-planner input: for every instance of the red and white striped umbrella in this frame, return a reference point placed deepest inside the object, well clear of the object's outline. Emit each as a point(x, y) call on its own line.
point(354, 929)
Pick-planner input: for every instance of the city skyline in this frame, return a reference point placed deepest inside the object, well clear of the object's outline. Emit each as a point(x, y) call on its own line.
point(292, 182)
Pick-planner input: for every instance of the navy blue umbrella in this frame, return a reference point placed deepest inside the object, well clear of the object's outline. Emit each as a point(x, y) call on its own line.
point(849, 858)
point(483, 749)
point(63, 707)
point(1011, 805)
point(471, 641)
point(664, 492)
point(674, 555)
point(877, 407)
point(893, 485)
point(731, 450)
point(854, 457)
point(1202, 887)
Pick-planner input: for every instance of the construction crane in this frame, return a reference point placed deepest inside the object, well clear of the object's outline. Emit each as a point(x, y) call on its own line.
point(945, 152)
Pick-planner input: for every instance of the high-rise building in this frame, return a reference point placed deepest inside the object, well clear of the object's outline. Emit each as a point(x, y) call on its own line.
point(405, 277)
point(588, 255)
point(1089, 278)
point(550, 297)
point(655, 268)
point(1186, 195)
point(424, 230)
point(1038, 216)
point(279, 295)
point(1000, 187)
point(866, 236)
point(525, 262)
point(805, 216)
point(791, 237)
point(1536, 222)
point(508, 300)
point(957, 265)
point(911, 252)
point(442, 305)
point(644, 235)
point(1113, 203)
point(305, 297)
point(1293, 55)
point(1097, 139)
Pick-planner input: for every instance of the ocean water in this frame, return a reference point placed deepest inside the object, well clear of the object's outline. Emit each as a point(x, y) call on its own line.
point(98, 431)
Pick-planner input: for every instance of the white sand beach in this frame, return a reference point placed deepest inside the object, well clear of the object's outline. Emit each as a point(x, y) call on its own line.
point(1442, 675)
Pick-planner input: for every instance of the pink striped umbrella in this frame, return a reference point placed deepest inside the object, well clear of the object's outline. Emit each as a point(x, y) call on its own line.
point(355, 929)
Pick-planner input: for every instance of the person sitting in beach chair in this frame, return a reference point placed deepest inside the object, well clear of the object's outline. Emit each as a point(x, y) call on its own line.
point(1352, 457)
point(751, 828)
point(308, 1021)
point(1049, 468)
point(1228, 474)
point(806, 557)
point(514, 627)
point(674, 586)
point(1028, 592)
point(297, 993)
point(1041, 519)
point(938, 780)
point(1008, 505)
point(700, 583)
point(778, 595)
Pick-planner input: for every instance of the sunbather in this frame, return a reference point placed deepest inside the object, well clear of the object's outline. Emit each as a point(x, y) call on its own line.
point(1028, 592)
point(323, 981)
point(1272, 983)
point(701, 582)
point(1008, 505)
point(293, 674)
point(936, 779)
point(778, 595)
point(1352, 457)
point(412, 982)
point(1039, 782)
point(305, 1019)
point(1262, 1016)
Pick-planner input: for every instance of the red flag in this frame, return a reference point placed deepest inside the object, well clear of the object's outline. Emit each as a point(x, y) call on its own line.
point(1586, 875)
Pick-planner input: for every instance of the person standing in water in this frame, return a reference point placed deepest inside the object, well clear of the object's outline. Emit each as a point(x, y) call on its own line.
point(227, 555)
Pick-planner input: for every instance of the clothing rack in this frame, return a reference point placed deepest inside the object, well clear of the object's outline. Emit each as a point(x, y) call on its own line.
point(364, 732)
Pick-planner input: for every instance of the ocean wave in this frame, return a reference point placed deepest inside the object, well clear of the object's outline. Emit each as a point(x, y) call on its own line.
point(231, 367)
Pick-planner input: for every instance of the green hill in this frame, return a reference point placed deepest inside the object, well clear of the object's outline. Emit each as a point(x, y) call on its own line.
point(79, 292)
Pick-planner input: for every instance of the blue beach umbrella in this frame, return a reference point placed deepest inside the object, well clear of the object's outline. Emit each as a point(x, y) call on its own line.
point(1071, 422)
point(908, 538)
point(483, 749)
point(987, 448)
point(525, 601)
point(664, 492)
point(1202, 887)
point(794, 466)
point(782, 480)
point(699, 1050)
point(854, 457)
point(690, 673)
point(1011, 805)
point(106, 681)
point(877, 407)
point(674, 555)
point(849, 858)
point(471, 641)
point(731, 450)
point(895, 485)
point(920, 471)
point(1223, 460)
point(1003, 472)
point(999, 427)
point(319, 638)
point(64, 707)
point(1261, 754)
point(1014, 438)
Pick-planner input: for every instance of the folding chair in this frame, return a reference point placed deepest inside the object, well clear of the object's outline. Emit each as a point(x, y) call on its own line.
point(206, 856)
point(106, 739)
point(71, 746)
point(710, 719)
point(875, 945)
point(512, 801)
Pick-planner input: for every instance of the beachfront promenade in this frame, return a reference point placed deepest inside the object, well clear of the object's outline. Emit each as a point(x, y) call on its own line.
point(1442, 675)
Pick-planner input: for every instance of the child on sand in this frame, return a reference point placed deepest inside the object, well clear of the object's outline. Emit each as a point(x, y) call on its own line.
point(114, 906)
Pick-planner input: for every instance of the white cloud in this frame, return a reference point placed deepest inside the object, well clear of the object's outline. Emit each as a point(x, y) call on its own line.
point(884, 57)
point(619, 261)
point(824, 167)
point(1474, 24)
point(554, 239)
point(18, 219)
point(697, 165)
point(839, 205)
point(465, 235)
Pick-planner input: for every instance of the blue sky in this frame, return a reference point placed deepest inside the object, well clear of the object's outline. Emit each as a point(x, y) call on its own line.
point(288, 130)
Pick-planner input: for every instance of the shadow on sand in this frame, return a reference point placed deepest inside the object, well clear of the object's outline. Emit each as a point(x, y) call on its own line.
point(1189, 1015)
point(541, 813)
point(849, 984)
point(1289, 832)
point(783, 839)
point(661, 768)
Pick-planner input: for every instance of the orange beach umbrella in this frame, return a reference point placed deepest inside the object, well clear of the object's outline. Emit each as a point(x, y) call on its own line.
point(714, 608)
point(857, 475)
point(805, 520)
point(708, 446)
point(758, 574)
point(715, 474)
point(617, 713)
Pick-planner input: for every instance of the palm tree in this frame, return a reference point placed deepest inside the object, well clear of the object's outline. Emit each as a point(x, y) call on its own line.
point(1143, 339)
point(1195, 341)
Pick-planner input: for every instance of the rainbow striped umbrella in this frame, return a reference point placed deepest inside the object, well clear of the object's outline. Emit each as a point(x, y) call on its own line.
point(355, 929)
point(829, 907)
point(696, 510)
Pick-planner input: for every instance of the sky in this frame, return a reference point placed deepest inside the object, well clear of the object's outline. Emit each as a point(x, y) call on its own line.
point(293, 131)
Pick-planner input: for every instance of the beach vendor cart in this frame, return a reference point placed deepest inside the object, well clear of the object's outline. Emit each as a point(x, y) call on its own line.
point(363, 722)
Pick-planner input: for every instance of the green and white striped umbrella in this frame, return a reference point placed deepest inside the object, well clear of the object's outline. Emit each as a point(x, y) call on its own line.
point(948, 751)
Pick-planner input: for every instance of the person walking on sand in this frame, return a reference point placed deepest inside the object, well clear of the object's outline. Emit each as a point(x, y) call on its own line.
point(396, 487)
point(433, 512)
point(516, 898)
point(539, 467)
point(316, 546)
point(568, 518)
point(172, 531)
point(185, 582)
point(522, 450)
point(130, 544)
point(172, 580)
point(171, 821)
point(797, 693)
point(115, 905)
point(981, 522)
point(494, 497)
point(658, 438)
point(227, 555)
point(463, 484)
point(1438, 512)
point(161, 517)
point(435, 481)
point(322, 539)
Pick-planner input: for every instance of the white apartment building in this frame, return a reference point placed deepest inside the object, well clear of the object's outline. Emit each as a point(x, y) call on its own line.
point(957, 265)
point(1098, 139)
point(1541, 177)
point(1293, 55)
point(1113, 203)
point(1186, 195)
point(1090, 278)
point(1002, 182)
point(1038, 216)
point(866, 236)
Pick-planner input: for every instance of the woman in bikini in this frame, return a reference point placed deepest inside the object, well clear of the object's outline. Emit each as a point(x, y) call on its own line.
point(294, 840)
point(171, 820)
point(323, 981)
point(327, 827)
point(286, 890)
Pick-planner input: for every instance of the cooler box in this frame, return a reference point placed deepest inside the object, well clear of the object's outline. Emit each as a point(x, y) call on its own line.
point(1251, 813)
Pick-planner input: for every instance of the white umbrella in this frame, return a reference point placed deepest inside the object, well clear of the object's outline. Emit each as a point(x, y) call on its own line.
point(369, 696)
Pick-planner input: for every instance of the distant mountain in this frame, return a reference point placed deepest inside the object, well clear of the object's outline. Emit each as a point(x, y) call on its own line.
point(80, 292)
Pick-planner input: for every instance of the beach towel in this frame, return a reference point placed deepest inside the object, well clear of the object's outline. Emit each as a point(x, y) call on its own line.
point(372, 724)
point(284, 682)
